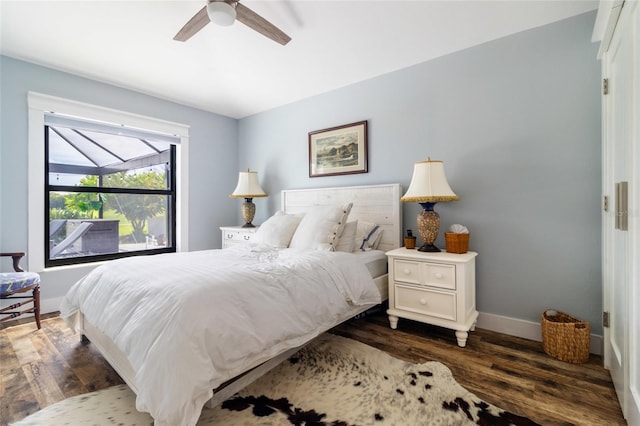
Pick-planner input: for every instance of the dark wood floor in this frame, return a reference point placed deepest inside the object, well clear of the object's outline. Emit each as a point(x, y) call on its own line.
point(42, 367)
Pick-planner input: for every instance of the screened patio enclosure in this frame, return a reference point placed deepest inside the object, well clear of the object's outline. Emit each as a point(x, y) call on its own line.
point(110, 190)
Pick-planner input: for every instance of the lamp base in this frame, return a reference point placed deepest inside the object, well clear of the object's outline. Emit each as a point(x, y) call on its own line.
point(248, 211)
point(429, 248)
point(428, 226)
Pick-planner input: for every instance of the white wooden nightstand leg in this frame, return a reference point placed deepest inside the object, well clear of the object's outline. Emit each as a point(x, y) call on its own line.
point(393, 321)
point(473, 326)
point(462, 338)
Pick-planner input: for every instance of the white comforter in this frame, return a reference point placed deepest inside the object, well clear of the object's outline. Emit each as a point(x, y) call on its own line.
point(188, 322)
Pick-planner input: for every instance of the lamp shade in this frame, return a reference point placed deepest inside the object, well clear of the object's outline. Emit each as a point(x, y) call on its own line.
point(248, 186)
point(221, 13)
point(429, 184)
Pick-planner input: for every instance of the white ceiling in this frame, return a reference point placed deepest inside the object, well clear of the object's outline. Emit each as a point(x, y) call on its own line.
point(235, 71)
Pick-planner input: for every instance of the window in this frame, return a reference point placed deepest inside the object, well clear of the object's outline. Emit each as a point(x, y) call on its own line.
point(110, 191)
point(88, 165)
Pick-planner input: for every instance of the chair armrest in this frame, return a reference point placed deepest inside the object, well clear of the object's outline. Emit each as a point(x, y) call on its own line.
point(16, 260)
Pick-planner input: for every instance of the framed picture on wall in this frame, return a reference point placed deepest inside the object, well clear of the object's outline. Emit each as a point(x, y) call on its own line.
point(338, 150)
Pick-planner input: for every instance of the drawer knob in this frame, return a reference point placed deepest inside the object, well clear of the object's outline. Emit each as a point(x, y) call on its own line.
point(423, 301)
point(407, 271)
point(229, 236)
point(247, 237)
point(438, 275)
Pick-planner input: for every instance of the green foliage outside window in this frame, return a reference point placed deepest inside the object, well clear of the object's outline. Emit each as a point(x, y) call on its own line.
point(136, 208)
point(85, 203)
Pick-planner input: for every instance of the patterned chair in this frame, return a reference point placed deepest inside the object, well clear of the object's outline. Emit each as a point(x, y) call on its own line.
point(13, 285)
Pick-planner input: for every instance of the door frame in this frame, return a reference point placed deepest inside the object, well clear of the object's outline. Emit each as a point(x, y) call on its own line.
point(612, 15)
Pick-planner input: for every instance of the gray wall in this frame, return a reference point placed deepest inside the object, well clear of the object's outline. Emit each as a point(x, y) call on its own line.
point(212, 148)
point(517, 123)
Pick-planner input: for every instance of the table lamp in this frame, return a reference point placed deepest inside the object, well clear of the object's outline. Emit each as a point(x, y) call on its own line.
point(248, 188)
point(429, 186)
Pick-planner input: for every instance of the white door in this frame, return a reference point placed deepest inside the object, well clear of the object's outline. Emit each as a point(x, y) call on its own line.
point(621, 235)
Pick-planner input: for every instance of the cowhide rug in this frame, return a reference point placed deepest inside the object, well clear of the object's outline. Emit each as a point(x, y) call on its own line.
point(333, 381)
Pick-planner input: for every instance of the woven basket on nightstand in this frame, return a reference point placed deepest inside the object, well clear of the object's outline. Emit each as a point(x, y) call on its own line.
point(565, 337)
point(456, 243)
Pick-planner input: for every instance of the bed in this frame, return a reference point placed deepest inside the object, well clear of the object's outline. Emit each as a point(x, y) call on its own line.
point(179, 344)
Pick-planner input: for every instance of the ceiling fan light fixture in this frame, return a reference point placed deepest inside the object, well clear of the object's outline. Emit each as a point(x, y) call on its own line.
point(221, 13)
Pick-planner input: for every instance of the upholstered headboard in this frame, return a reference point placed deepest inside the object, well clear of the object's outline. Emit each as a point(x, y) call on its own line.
point(372, 203)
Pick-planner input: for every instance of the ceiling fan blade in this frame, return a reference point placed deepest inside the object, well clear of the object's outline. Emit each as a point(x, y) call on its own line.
point(194, 25)
point(261, 25)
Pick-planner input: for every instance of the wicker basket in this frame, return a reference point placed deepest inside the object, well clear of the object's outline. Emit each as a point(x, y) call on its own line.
point(565, 337)
point(456, 243)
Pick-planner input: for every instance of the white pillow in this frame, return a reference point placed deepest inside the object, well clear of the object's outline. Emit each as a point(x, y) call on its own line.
point(277, 230)
point(321, 227)
point(368, 236)
point(347, 241)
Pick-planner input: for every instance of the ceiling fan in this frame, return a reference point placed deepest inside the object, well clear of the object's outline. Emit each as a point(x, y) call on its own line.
point(225, 12)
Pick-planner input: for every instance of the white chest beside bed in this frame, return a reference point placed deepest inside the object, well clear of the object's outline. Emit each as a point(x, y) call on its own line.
point(378, 204)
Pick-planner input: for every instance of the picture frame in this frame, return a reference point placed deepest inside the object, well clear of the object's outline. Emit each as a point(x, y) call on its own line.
point(339, 150)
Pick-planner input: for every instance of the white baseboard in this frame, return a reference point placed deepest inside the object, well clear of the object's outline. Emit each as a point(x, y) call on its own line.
point(50, 305)
point(526, 329)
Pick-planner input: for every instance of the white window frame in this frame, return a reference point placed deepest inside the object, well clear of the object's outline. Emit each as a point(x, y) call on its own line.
point(39, 104)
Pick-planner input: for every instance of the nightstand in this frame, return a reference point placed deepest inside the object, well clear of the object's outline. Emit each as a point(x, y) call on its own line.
point(234, 235)
point(435, 288)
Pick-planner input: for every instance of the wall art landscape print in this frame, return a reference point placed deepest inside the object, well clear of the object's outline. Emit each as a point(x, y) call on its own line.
point(338, 150)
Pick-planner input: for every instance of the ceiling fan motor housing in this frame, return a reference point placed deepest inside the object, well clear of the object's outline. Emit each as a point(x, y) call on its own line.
point(221, 13)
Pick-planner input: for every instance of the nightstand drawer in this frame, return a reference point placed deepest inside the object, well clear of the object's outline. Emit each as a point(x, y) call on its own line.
point(434, 303)
point(406, 271)
point(235, 235)
point(421, 273)
point(437, 275)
